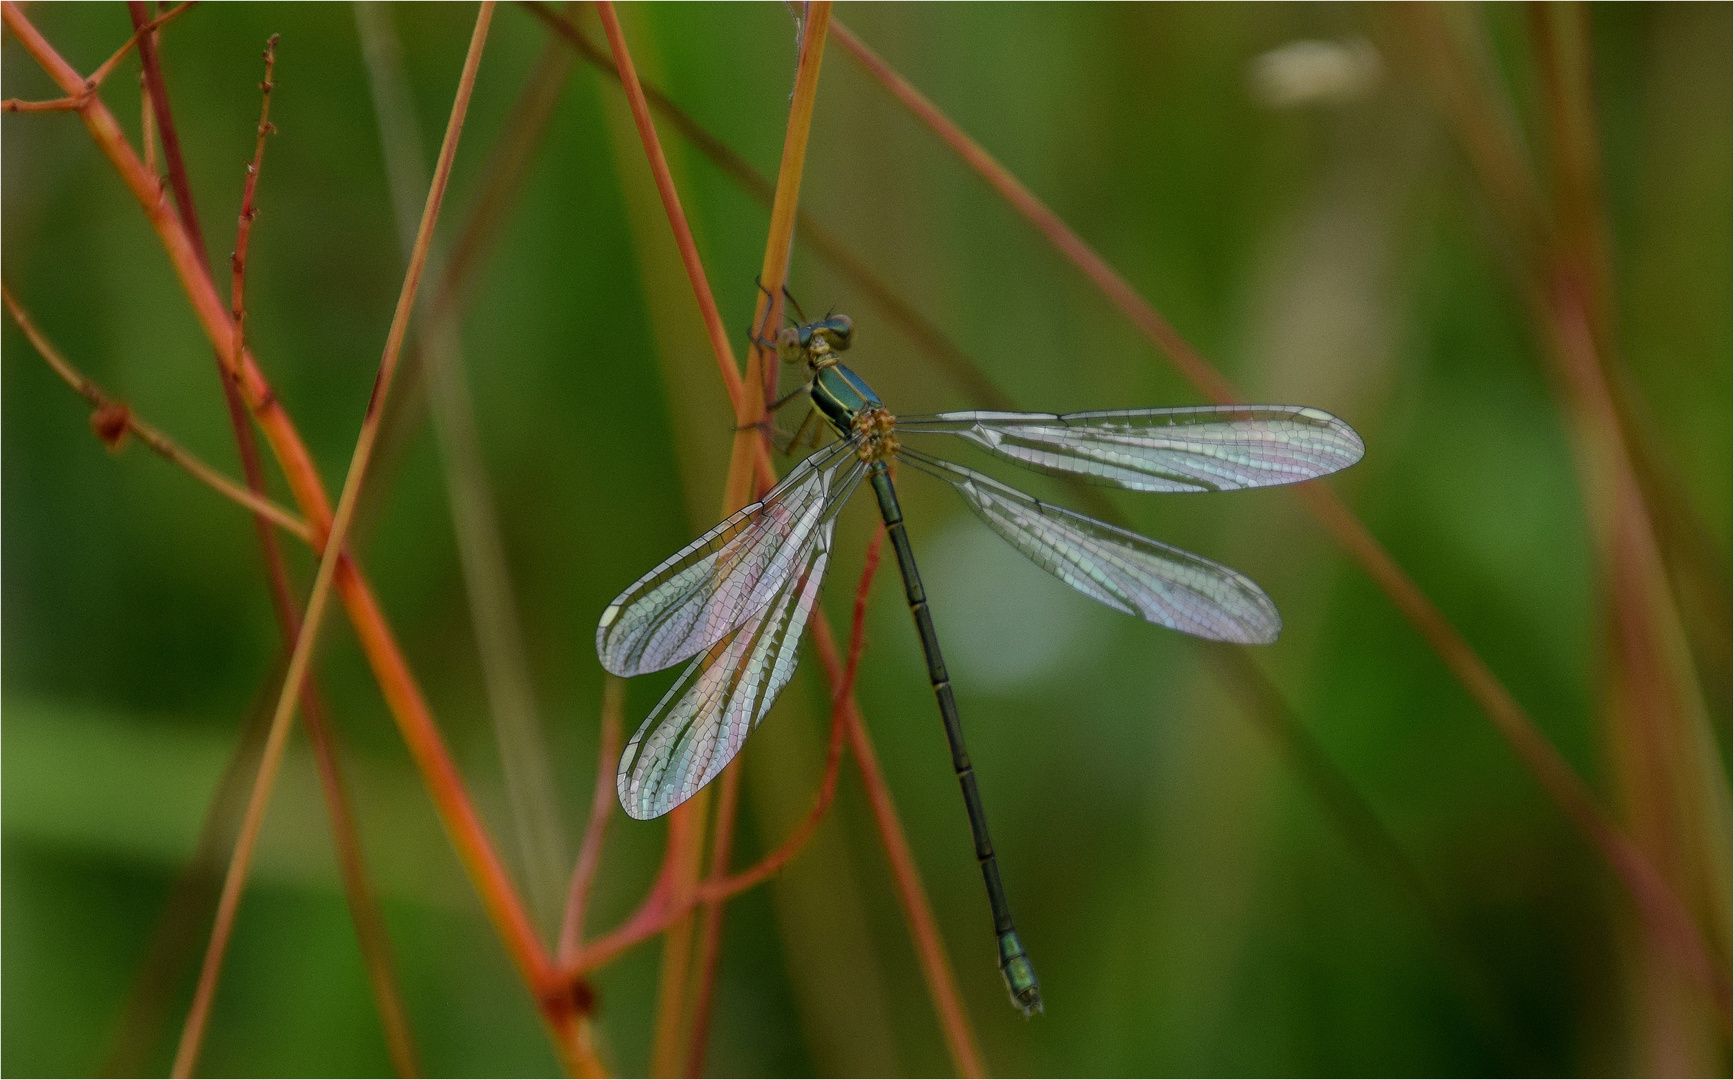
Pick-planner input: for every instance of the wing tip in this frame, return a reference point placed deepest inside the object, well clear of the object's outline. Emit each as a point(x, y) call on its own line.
point(1352, 447)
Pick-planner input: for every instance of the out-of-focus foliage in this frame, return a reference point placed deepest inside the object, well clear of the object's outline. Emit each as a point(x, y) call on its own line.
point(1191, 904)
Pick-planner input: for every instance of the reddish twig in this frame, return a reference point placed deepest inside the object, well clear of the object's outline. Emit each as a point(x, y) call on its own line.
point(602, 803)
point(369, 926)
point(930, 949)
point(689, 257)
point(192, 1034)
point(111, 410)
point(686, 821)
point(363, 908)
point(77, 101)
point(721, 885)
point(749, 456)
point(403, 695)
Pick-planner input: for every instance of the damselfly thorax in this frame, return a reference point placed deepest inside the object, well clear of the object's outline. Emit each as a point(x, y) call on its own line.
point(840, 396)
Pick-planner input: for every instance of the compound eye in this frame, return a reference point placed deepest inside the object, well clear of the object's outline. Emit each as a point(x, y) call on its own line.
point(839, 331)
point(790, 348)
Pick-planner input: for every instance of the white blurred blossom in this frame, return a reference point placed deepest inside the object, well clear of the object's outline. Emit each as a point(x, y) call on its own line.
point(1304, 73)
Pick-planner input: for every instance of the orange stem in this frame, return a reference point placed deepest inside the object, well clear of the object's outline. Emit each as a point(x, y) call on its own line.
point(689, 257)
point(749, 456)
point(148, 434)
point(364, 909)
point(930, 948)
point(703, 990)
point(602, 803)
point(403, 695)
point(277, 740)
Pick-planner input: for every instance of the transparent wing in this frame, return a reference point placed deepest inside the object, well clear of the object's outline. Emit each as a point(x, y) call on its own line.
point(1203, 448)
point(706, 716)
point(711, 586)
point(1126, 571)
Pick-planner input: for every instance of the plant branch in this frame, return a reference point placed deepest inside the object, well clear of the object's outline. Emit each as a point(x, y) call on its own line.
point(363, 907)
point(749, 456)
point(689, 256)
point(97, 77)
point(369, 926)
point(192, 1034)
point(493, 607)
point(113, 413)
point(402, 694)
point(602, 803)
point(930, 951)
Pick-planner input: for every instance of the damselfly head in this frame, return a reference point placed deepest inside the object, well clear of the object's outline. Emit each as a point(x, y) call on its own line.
point(814, 340)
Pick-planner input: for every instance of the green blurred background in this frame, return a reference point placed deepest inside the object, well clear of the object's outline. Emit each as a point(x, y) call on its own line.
point(1192, 904)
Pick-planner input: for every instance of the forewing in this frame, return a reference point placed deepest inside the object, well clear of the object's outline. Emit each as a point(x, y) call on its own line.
point(711, 586)
point(1203, 448)
point(1122, 569)
point(706, 716)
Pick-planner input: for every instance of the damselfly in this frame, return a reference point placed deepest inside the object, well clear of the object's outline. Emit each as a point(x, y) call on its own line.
point(736, 600)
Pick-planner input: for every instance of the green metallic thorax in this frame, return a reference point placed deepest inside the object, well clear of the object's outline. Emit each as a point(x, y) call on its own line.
point(840, 395)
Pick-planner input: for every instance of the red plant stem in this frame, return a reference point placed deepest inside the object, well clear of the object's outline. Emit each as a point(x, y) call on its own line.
point(402, 694)
point(364, 911)
point(686, 822)
point(702, 993)
point(602, 803)
point(689, 257)
point(192, 1034)
point(1539, 756)
point(749, 448)
point(363, 908)
point(147, 434)
point(721, 885)
point(369, 926)
point(97, 77)
point(930, 948)
point(195, 277)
